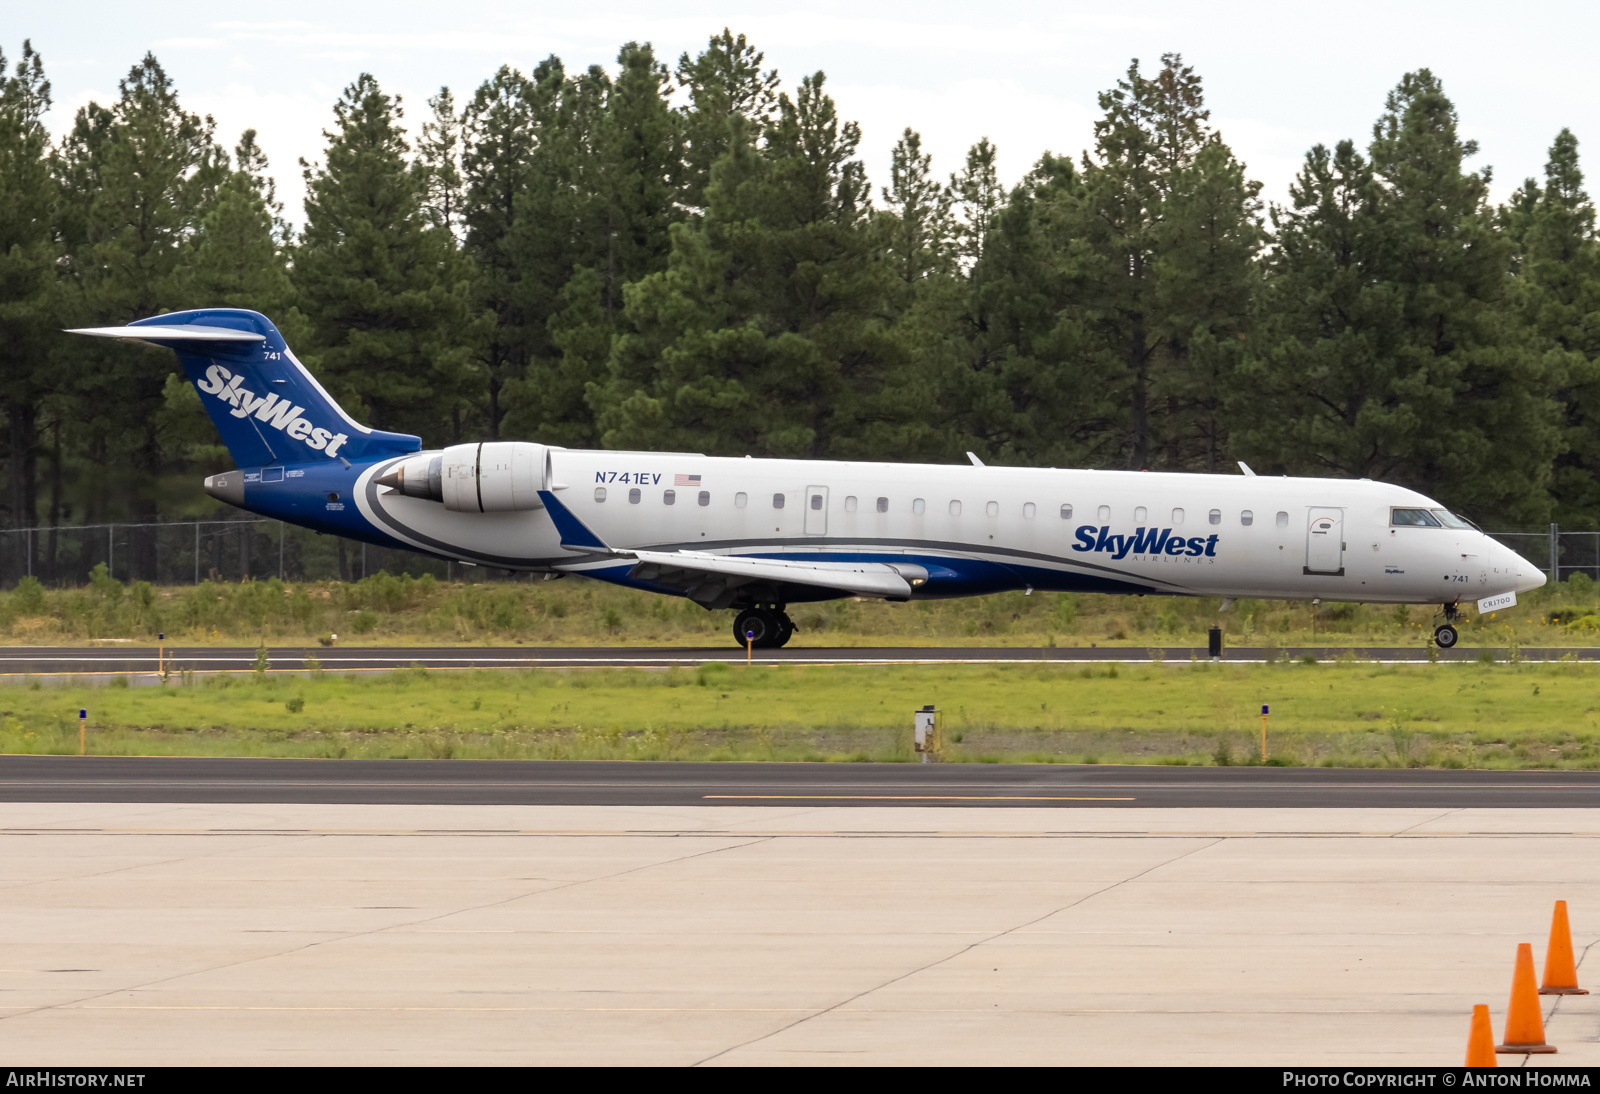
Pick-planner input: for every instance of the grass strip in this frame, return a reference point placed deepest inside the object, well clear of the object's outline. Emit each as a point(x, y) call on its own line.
point(1342, 713)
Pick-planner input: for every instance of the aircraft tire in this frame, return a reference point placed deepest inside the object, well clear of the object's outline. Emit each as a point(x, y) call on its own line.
point(786, 629)
point(1445, 635)
point(759, 623)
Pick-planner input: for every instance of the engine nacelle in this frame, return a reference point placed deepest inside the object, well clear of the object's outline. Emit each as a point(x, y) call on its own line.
point(487, 477)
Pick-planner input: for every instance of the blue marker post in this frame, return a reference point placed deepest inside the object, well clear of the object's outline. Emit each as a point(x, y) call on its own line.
point(749, 645)
point(83, 722)
point(161, 653)
point(1263, 733)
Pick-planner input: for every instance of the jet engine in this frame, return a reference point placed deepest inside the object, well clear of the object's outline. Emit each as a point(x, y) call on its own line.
point(487, 477)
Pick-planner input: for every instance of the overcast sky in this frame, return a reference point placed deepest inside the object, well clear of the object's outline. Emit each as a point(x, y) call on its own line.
point(1279, 76)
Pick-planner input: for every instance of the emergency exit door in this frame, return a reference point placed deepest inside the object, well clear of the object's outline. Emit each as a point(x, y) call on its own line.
point(816, 510)
point(1325, 542)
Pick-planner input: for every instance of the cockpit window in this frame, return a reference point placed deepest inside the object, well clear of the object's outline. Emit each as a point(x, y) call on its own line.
point(1412, 518)
point(1450, 520)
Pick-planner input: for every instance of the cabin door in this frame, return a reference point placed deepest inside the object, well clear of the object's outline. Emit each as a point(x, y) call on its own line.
point(1325, 541)
point(816, 510)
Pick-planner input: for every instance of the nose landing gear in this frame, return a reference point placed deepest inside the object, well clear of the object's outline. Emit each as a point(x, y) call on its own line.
point(1445, 634)
point(764, 628)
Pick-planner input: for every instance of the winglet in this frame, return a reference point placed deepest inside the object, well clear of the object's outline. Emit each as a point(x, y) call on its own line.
point(575, 535)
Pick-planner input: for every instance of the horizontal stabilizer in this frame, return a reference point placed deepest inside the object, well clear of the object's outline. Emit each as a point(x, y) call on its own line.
point(171, 334)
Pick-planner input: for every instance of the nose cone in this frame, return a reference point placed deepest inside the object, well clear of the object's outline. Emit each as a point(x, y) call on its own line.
point(1528, 577)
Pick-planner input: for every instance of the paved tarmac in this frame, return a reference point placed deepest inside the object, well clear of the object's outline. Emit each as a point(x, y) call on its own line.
point(119, 659)
point(456, 935)
point(774, 785)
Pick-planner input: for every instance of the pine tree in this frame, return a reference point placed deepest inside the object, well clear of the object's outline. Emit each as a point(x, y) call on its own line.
point(1385, 348)
point(439, 153)
point(139, 178)
point(1557, 297)
point(28, 296)
point(504, 132)
point(977, 195)
point(377, 279)
point(724, 82)
point(766, 333)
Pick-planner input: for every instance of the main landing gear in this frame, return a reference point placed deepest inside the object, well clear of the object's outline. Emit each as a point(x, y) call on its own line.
point(1445, 633)
point(764, 628)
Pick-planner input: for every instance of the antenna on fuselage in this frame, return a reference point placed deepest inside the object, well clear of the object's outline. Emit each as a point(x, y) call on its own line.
point(1246, 469)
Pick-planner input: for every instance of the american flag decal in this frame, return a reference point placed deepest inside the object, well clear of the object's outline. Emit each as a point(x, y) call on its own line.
point(686, 480)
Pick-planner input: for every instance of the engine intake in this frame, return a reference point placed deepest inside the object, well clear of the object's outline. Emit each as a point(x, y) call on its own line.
point(487, 477)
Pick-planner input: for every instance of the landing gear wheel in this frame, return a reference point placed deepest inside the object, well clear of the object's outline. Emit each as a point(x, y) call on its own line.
point(786, 629)
point(759, 628)
point(1446, 636)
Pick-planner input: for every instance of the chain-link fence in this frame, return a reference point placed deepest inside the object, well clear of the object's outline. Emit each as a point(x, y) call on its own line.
point(183, 552)
point(180, 552)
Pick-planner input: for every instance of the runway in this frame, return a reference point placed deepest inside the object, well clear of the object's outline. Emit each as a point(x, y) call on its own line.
point(789, 785)
point(20, 661)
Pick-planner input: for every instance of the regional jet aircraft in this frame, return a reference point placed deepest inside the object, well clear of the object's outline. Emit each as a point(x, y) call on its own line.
point(758, 535)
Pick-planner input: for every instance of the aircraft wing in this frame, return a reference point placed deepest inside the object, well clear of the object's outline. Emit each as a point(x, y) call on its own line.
point(688, 569)
point(705, 576)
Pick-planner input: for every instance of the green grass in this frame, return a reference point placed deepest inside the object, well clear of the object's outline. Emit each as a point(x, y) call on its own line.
point(401, 610)
point(1334, 713)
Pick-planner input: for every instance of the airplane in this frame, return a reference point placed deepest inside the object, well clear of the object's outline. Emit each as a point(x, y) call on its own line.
point(758, 535)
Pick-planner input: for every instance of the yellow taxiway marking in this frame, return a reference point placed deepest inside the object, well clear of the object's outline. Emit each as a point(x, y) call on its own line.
point(905, 798)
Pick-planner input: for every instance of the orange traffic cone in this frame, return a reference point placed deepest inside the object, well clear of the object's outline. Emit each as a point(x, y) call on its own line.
point(1524, 1021)
point(1560, 974)
point(1480, 1042)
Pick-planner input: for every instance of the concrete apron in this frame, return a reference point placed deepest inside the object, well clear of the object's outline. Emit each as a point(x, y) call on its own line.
point(201, 934)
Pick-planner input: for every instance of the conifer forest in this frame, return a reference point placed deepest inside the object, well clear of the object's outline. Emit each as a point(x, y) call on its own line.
point(681, 254)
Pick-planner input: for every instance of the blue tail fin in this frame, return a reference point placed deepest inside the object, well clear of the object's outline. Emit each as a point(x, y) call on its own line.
point(267, 406)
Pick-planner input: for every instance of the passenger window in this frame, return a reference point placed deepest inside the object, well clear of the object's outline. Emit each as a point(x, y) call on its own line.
point(1029, 509)
point(883, 505)
point(850, 504)
point(992, 509)
point(669, 497)
point(1215, 516)
point(599, 493)
point(955, 509)
point(777, 501)
point(1177, 516)
point(634, 495)
point(740, 500)
point(1105, 512)
point(1283, 520)
point(816, 501)
point(918, 506)
point(1140, 514)
point(1247, 518)
point(1066, 512)
point(704, 498)
point(1413, 518)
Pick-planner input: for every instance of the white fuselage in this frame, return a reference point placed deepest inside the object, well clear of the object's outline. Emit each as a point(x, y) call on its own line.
point(984, 529)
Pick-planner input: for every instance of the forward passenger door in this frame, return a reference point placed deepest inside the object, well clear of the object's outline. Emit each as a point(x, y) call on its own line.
point(1325, 541)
